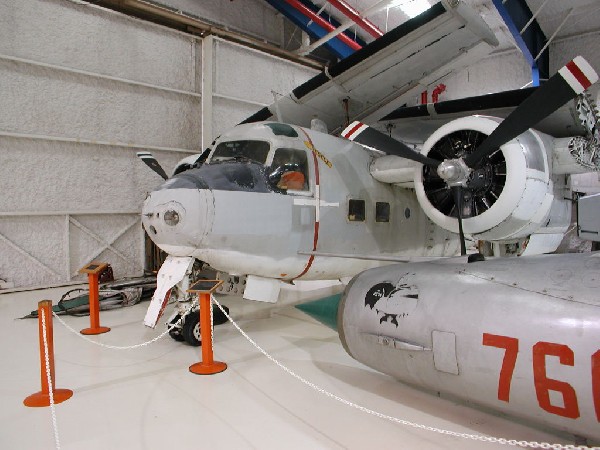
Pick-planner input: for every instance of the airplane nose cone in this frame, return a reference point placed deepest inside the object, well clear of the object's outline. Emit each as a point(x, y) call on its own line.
point(325, 310)
point(178, 220)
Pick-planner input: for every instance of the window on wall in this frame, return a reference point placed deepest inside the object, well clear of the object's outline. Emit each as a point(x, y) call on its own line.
point(382, 212)
point(356, 210)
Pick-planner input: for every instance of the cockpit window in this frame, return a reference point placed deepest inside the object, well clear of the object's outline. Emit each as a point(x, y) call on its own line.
point(256, 151)
point(289, 170)
point(282, 129)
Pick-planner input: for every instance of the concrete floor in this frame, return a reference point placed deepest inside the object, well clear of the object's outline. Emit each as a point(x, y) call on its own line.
point(147, 399)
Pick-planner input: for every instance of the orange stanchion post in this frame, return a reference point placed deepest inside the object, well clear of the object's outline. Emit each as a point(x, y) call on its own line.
point(93, 271)
point(46, 336)
point(208, 366)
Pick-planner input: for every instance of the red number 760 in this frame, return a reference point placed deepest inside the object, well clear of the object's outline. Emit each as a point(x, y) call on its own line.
point(543, 384)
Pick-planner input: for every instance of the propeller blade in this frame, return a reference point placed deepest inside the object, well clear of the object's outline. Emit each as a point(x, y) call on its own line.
point(152, 163)
point(457, 193)
point(571, 80)
point(365, 135)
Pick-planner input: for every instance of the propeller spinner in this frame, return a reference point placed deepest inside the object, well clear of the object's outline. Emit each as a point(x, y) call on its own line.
point(464, 169)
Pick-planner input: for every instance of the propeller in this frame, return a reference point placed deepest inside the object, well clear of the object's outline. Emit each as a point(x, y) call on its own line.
point(365, 135)
point(152, 163)
point(570, 81)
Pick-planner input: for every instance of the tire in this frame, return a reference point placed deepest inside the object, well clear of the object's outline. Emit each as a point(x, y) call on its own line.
point(191, 329)
point(218, 316)
point(175, 333)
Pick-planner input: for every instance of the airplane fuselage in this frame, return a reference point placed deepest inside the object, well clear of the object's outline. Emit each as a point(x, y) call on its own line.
point(520, 336)
point(232, 214)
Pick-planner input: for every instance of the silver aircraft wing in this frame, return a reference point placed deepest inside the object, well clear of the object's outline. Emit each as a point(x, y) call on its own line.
point(377, 78)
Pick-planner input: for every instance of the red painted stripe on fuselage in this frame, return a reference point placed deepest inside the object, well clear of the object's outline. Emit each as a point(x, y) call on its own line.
point(316, 229)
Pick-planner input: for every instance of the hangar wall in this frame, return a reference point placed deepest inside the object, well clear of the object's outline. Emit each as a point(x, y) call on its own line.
point(253, 17)
point(83, 89)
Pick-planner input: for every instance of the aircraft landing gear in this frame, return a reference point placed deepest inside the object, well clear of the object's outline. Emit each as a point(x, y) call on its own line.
point(175, 332)
point(189, 330)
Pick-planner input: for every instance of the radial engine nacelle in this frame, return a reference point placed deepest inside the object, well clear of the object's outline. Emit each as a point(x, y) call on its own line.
point(518, 192)
point(514, 194)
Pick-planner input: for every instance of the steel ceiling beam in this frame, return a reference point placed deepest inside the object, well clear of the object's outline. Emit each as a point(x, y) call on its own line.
point(296, 4)
point(344, 26)
point(528, 35)
point(316, 26)
point(353, 14)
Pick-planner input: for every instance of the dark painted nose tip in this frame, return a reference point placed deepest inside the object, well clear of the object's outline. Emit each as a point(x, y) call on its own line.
point(184, 180)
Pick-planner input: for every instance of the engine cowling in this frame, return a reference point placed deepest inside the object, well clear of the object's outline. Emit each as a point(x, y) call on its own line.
point(509, 194)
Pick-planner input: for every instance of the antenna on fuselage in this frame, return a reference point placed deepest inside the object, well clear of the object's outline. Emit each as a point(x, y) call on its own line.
point(318, 125)
point(276, 104)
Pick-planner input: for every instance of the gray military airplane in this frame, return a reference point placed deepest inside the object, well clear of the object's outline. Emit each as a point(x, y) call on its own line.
point(350, 207)
point(278, 199)
point(231, 209)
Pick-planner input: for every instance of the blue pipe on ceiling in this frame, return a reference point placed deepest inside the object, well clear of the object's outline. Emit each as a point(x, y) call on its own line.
point(516, 14)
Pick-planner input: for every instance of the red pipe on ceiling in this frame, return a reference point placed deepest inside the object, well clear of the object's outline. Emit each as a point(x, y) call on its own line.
point(353, 14)
point(322, 23)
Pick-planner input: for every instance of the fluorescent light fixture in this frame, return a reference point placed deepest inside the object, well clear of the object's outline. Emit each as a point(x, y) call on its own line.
point(411, 8)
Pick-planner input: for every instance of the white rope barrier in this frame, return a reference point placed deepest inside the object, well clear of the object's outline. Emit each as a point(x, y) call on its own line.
point(50, 382)
point(129, 347)
point(113, 347)
point(476, 437)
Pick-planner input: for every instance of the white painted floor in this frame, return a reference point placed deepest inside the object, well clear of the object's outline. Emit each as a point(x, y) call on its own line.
point(147, 399)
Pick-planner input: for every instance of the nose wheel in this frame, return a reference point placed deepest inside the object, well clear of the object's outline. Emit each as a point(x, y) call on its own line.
point(175, 332)
point(189, 330)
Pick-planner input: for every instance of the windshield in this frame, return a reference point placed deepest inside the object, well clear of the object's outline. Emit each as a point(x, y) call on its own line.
point(256, 151)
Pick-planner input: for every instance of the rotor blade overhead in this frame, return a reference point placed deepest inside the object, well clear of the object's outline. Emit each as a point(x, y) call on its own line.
point(571, 80)
point(152, 163)
point(365, 135)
